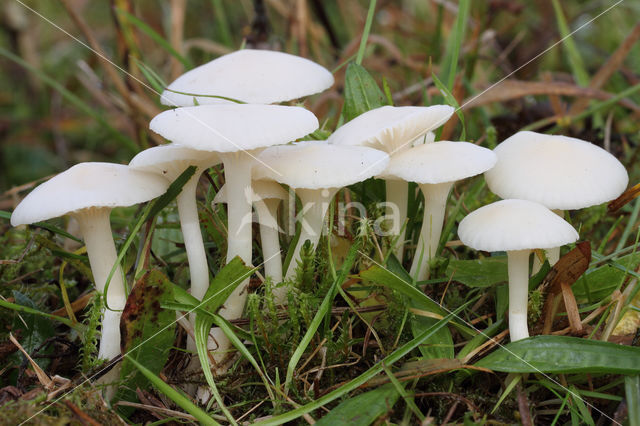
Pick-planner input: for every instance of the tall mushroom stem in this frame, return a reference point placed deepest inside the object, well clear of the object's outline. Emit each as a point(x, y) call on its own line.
point(435, 203)
point(518, 293)
point(237, 173)
point(398, 195)
point(96, 231)
point(315, 203)
point(269, 237)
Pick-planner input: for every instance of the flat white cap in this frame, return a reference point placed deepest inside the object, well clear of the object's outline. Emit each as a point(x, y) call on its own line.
point(88, 185)
point(317, 165)
point(251, 76)
point(515, 225)
point(171, 159)
point(440, 162)
point(557, 171)
point(390, 128)
point(233, 127)
point(262, 190)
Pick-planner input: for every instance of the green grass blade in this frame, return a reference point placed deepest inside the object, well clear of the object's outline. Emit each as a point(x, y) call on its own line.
point(365, 32)
point(449, 99)
point(450, 61)
point(632, 393)
point(44, 225)
point(575, 60)
point(125, 141)
point(174, 395)
point(28, 310)
point(364, 377)
point(152, 77)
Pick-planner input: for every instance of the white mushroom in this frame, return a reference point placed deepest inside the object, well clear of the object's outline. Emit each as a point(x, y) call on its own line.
point(316, 171)
point(559, 172)
point(393, 130)
point(251, 76)
point(436, 167)
point(517, 227)
point(88, 192)
point(237, 132)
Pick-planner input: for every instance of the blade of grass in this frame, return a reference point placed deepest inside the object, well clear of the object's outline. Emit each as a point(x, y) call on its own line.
point(632, 393)
point(450, 62)
point(364, 377)
point(174, 395)
point(450, 100)
point(45, 225)
point(575, 60)
point(365, 32)
point(28, 310)
point(125, 141)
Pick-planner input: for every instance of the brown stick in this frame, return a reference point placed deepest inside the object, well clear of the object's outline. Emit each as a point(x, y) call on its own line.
point(178, 8)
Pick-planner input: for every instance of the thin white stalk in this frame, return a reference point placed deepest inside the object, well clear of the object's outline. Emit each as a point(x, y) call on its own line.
point(237, 173)
point(269, 237)
point(96, 231)
point(518, 265)
point(398, 196)
point(315, 203)
point(435, 203)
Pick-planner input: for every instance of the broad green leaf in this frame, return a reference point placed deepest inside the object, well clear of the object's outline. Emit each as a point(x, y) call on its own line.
point(362, 410)
point(562, 354)
point(378, 275)
point(361, 92)
point(175, 395)
point(632, 392)
point(597, 284)
point(479, 272)
point(147, 331)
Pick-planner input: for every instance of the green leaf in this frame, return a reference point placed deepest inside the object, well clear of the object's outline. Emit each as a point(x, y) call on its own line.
point(361, 92)
point(450, 100)
point(479, 273)
point(597, 284)
point(562, 354)
point(32, 330)
point(175, 395)
point(147, 331)
point(364, 409)
point(632, 393)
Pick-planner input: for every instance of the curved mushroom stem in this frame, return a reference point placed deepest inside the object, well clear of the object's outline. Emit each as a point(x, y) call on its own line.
point(435, 203)
point(518, 265)
point(398, 195)
point(96, 231)
point(269, 237)
point(237, 173)
point(315, 203)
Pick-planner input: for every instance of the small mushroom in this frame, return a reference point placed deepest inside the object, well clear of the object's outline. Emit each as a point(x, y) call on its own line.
point(251, 76)
point(393, 130)
point(517, 227)
point(559, 172)
point(316, 171)
point(267, 196)
point(436, 167)
point(88, 192)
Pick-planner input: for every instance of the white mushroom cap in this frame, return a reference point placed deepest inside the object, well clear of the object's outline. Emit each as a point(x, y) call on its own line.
point(233, 127)
point(557, 171)
point(515, 225)
point(320, 165)
point(390, 128)
point(88, 185)
point(171, 159)
point(440, 162)
point(251, 76)
point(262, 190)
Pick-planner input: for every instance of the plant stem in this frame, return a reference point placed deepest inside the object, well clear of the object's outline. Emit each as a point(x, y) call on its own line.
point(365, 32)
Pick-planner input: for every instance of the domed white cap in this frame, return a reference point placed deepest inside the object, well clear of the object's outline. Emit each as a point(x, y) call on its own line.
point(515, 225)
point(390, 128)
point(261, 190)
point(320, 165)
point(251, 76)
point(169, 159)
point(557, 171)
point(88, 185)
point(440, 162)
point(233, 127)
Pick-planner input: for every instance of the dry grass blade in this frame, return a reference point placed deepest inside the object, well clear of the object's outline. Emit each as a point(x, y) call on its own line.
point(82, 416)
point(626, 197)
point(43, 378)
point(178, 11)
point(510, 90)
point(608, 68)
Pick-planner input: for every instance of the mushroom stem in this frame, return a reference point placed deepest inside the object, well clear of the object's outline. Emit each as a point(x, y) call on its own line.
point(518, 265)
point(192, 235)
point(435, 203)
point(96, 231)
point(315, 203)
point(398, 196)
point(269, 237)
